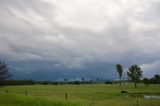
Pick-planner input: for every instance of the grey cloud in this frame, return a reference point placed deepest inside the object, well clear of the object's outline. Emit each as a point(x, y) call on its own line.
point(30, 30)
point(150, 69)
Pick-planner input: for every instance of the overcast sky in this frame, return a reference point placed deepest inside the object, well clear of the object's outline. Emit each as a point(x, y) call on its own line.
point(56, 39)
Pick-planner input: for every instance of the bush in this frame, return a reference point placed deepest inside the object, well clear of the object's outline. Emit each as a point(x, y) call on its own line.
point(108, 82)
point(77, 82)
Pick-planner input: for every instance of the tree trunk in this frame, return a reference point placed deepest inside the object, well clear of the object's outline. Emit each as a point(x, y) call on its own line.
point(135, 84)
point(120, 81)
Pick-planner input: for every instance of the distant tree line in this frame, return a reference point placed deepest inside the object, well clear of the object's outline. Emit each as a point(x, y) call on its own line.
point(147, 81)
point(33, 82)
point(153, 80)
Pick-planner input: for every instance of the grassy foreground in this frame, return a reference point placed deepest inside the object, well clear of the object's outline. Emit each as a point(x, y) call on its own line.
point(78, 95)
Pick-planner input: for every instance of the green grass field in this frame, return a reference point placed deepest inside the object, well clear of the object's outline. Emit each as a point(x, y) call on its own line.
point(78, 95)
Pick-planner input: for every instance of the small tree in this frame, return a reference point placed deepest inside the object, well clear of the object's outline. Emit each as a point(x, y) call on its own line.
point(134, 73)
point(119, 70)
point(4, 73)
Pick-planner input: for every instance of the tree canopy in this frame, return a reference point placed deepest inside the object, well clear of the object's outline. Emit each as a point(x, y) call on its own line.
point(4, 72)
point(134, 73)
point(119, 70)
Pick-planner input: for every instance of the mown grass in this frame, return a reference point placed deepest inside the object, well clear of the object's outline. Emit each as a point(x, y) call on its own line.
point(78, 95)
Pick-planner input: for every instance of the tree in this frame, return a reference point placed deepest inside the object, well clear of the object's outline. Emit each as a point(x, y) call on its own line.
point(119, 70)
point(134, 73)
point(4, 72)
point(157, 78)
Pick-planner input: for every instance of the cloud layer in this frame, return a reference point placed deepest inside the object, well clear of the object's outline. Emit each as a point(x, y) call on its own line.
point(75, 35)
